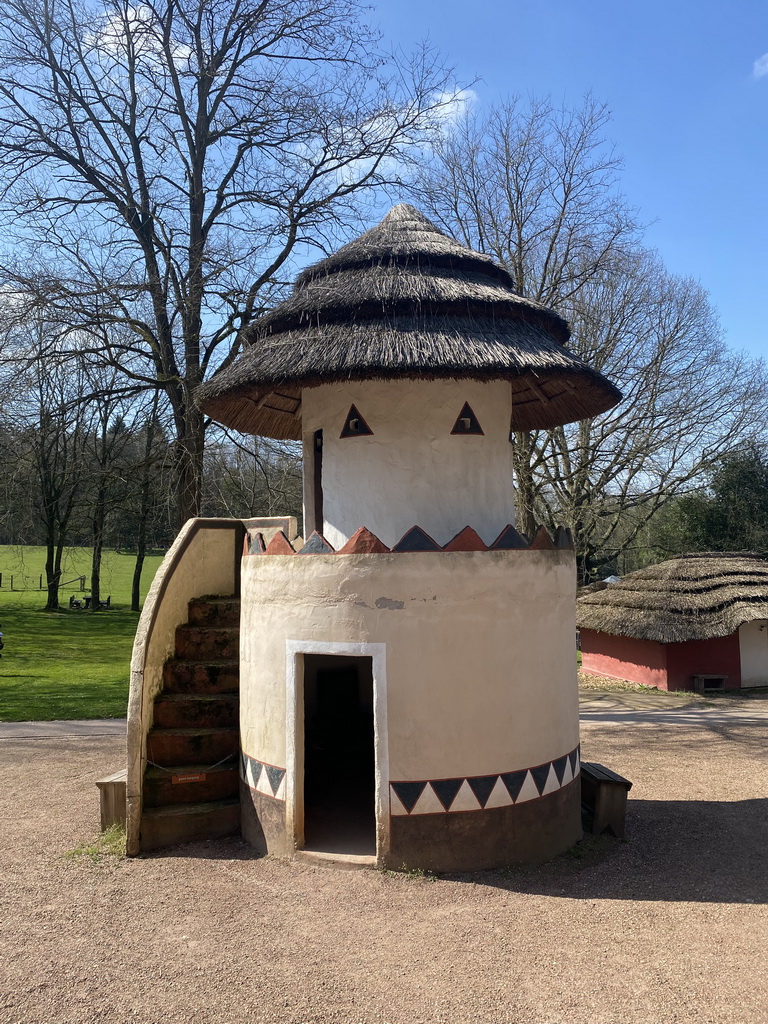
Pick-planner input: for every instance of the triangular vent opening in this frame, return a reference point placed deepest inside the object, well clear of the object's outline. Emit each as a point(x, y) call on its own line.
point(467, 422)
point(355, 425)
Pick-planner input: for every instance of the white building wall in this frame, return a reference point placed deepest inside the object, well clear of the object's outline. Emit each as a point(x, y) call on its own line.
point(412, 470)
point(753, 650)
point(478, 680)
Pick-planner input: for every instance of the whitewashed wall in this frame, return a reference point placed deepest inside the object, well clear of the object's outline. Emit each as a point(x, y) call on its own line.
point(480, 665)
point(753, 651)
point(412, 470)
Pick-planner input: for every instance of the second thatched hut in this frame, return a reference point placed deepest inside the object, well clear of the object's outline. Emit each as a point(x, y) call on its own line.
point(699, 621)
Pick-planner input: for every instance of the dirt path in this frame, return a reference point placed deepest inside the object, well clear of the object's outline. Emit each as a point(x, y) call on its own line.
point(671, 926)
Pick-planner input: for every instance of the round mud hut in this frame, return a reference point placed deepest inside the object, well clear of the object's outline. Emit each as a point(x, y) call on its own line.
point(696, 622)
point(407, 678)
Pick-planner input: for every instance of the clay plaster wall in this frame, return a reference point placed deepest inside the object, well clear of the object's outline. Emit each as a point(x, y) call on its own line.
point(714, 656)
point(753, 651)
point(412, 470)
point(624, 657)
point(478, 652)
point(202, 560)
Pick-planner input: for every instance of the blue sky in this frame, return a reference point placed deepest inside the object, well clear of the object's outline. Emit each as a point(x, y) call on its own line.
point(690, 114)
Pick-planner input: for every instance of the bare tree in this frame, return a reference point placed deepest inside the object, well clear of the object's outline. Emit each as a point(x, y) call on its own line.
point(54, 425)
point(148, 492)
point(105, 448)
point(689, 403)
point(255, 477)
point(164, 163)
point(537, 188)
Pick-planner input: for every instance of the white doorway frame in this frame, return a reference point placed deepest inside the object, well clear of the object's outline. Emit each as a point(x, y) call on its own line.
point(294, 740)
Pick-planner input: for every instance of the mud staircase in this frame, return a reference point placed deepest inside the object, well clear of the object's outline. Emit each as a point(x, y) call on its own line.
point(191, 778)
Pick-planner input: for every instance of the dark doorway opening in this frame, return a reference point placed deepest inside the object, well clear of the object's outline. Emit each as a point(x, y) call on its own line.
point(339, 756)
point(317, 481)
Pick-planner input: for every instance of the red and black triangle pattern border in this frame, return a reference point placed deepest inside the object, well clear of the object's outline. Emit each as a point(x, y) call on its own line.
point(363, 542)
point(267, 779)
point(483, 792)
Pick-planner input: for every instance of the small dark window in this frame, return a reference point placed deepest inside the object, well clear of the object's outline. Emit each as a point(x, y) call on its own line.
point(355, 425)
point(467, 422)
point(317, 481)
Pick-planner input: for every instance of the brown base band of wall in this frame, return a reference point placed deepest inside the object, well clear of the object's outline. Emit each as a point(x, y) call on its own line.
point(263, 822)
point(527, 833)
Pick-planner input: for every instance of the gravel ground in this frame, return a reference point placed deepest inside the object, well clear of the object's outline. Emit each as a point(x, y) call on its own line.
point(670, 926)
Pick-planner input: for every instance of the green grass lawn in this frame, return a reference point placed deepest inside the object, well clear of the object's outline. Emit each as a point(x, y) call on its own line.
point(66, 664)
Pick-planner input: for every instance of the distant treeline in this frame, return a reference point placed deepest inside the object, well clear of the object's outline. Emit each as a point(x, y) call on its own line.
point(98, 472)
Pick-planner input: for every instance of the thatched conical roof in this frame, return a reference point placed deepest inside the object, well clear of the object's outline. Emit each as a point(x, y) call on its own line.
point(694, 597)
point(404, 300)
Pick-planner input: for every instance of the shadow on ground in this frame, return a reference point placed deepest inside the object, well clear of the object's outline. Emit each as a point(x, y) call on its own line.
point(676, 850)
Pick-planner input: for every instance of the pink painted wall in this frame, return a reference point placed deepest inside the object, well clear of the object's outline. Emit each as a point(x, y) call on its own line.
point(668, 666)
point(719, 656)
point(623, 657)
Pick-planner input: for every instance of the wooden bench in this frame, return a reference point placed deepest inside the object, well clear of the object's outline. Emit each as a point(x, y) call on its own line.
point(603, 799)
point(112, 799)
point(709, 682)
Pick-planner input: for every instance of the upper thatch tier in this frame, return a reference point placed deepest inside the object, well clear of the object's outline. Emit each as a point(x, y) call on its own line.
point(694, 597)
point(404, 300)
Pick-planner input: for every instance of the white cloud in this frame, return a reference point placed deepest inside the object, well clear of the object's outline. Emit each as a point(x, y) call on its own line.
point(455, 104)
point(146, 34)
point(760, 67)
point(447, 109)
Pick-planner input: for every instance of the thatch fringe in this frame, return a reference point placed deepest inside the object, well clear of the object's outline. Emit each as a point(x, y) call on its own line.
point(693, 597)
point(404, 301)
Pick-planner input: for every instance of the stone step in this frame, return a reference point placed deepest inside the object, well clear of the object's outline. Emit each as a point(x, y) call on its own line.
point(214, 611)
point(208, 643)
point(185, 823)
point(191, 783)
point(195, 710)
point(201, 676)
point(171, 747)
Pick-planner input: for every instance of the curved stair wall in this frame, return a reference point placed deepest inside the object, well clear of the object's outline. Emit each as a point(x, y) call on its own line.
point(203, 560)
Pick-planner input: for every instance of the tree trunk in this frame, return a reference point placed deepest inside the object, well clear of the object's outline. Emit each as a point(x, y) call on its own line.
point(524, 483)
point(141, 547)
point(51, 578)
point(99, 515)
point(144, 507)
point(189, 465)
point(55, 550)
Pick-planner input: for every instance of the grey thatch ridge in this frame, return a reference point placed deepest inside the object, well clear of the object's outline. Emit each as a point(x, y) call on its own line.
point(404, 301)
point(693, 597)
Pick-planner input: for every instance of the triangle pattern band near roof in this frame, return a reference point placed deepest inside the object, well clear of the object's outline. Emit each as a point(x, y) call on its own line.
point(416, 539)
point(363, 541)
point(316, 544)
